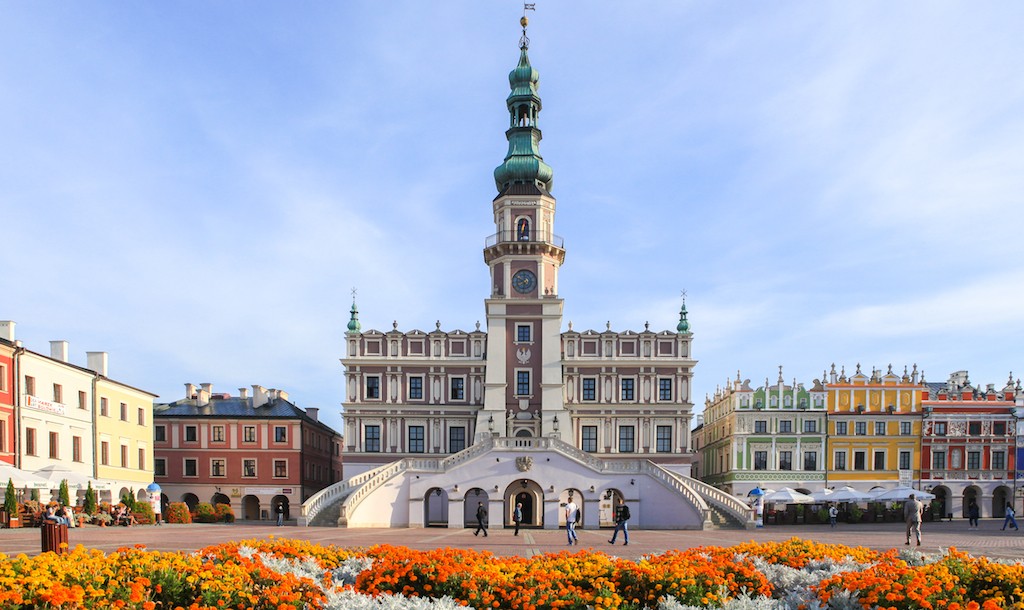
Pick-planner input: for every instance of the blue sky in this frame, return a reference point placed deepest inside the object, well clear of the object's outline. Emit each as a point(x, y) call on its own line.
point(195, 187)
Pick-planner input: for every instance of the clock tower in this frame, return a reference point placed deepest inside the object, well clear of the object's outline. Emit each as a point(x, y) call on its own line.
point(523, 391)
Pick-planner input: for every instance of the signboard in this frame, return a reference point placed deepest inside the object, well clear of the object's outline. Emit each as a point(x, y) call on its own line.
point(268, 491)
point(906, 478)
point(45, 405)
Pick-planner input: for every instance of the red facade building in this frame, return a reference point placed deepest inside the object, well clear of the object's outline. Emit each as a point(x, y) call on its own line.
point(8, 432)
point(253, 452)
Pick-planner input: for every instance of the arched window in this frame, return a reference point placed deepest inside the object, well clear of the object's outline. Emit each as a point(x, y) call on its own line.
point(523, 229)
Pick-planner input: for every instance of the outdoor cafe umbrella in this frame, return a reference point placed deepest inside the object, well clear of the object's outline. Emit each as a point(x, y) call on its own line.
point(788, 495)
point(849, 494)
point(22, 479)
point(54, 474)
point(822, 495)
point(901, 494)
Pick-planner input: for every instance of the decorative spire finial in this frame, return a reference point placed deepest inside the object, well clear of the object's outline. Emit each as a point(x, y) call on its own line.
point(353, 320)
point(524, 42)
point(684, 324)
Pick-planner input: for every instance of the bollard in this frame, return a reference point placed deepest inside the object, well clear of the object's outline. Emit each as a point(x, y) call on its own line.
point(54, 535)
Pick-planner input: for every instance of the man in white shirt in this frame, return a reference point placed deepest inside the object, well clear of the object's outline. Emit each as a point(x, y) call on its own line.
point(571, 511)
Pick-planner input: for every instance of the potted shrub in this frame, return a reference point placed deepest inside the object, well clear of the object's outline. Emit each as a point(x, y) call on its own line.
point(205, 513)
point(102, 519)
point(225, 513)
point(11, 506)
point(856, 513)
point(177, 512)
point(800, 513)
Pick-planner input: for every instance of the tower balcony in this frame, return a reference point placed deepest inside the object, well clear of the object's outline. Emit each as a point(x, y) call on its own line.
point(534, 243)
point(536, 237)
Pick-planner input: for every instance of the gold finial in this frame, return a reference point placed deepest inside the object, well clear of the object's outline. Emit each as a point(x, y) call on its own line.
point(523, 21)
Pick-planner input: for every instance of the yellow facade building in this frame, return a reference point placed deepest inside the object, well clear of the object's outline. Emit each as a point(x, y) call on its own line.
point(123, 418)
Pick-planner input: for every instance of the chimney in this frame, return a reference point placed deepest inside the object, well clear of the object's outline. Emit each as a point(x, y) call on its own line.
point(7, 330)
point(243, 393)
point(282, 395)
point(59, 350)
point(97, 361)
point(190, 391)
point(313, 413)
point(204, 394)
point(259, 396)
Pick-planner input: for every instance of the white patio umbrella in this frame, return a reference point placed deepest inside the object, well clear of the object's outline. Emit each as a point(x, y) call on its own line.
point(822, 495)
point(54, 474)
point(22, 479)
point(901, 494)
point(788, 495)
point(849, 494)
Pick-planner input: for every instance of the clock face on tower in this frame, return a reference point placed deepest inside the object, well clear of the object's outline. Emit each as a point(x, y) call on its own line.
point(524, 281)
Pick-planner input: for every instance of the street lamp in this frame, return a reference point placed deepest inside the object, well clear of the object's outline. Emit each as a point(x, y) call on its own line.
point(490, 423)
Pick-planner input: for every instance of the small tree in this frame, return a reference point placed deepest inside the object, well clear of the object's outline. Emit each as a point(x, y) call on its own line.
point(90, 499)
point(10, 501)
point(34, 495)
point(128, 499)
point(64, 496)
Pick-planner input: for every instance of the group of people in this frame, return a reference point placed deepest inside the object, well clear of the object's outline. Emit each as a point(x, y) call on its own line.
point(572, 518)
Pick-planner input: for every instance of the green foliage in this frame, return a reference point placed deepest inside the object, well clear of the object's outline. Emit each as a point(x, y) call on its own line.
point(128, 499)
point(90, 499)
point(10, 501)
point(143, 513)
point(34, 495)
point(177, 512)
point(64, 496)
point(225, 513)
point(205, 513)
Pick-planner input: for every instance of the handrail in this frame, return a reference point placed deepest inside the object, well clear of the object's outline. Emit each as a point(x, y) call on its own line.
point(312, 506)
point(384, 473)
point(676, 482)
point(730, 504)
point(545, 237)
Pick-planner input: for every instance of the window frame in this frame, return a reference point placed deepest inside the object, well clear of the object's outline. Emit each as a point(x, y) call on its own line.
point(371, 387)
point(415, 387)
point(186, 463)
point(588, 438)
point(218, 468)
point(159, 467)
point(247, 437)
point(760, 460)
point(627, 389)
point(457, 388)
point(280, 469)
point(217, 433)
point(627, 439)
point(416, 438)
point(191, 430)
point(371, 440)
point(250, 468)
point(588, 394)
point(280, 434)
point(663, 439)
point(665, 389)
point(455, 438)
point(523, 382)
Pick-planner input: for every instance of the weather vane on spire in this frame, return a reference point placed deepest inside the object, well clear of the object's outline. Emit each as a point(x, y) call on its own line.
point(682, 294)
point(354, 294)
point(524, 42)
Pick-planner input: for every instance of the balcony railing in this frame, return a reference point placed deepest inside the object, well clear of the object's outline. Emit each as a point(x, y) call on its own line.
point(544, 237)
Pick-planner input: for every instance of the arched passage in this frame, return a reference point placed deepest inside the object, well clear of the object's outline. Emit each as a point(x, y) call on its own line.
point(435, 508)
point(219, 498)
point(251, 508)
point(470, 502)
point(191, 500)
point(530, 494)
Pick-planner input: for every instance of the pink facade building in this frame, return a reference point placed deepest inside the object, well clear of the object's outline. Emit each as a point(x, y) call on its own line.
point(255, 452)
point(7, 429)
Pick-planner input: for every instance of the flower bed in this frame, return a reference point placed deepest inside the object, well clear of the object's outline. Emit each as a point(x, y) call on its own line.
point(280, 573)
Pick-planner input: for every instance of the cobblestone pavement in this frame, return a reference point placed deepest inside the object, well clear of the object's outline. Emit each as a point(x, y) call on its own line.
point(988, 540)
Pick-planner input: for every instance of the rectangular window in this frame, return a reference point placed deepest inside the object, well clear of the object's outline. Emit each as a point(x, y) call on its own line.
point(859, 460)
point(191, 434)
point(840, 460)
point(142, 459)
point(124, 411)
point(249, 434)
point(974, 428)
point(124, 456)
point(371, 442)
point(3, 378)
point(627, 439)
point(217, 434)
point(373, 387)
point(665, 390)
point(904, 460)
point(104, 453)
point(760, 460)
point(160, 467)
point(938, 460)
point(191, 467)
point(761, 426)
point(103, 407)
point(998, 460)
point(249, 468)
point(879, 460)
point(415, 388)
point(879, 428)
point(30, 441)
point(589, 389)
point(810, 426)
point(54, 445)
point(523, 333)
point(3, 435)
point(76, 448)
point(904, 428)
point(786, 426)
point(940, 428)
point(456, 439)
point(141, 416)
point(810, 460)
point(861, 428)
point(457, 387)
point(280, 434)
point(217, 467)
point(974, 459)
point(523, 383)
point(841, 428)
point(82, 400)
point(280, 469)
point(999, 428)
point(589, 438)
point(627, 390)
point(30, 385)
point(785, 460)
point(416, 439)
point(58, 393)
point(159, 434)
point(664, 439)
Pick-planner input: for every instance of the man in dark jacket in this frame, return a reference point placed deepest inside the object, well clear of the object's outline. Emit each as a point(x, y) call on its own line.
point(481, 519)
point(621, 522)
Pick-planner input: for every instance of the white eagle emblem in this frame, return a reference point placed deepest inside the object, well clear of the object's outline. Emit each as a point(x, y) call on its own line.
point(524, 463)
point(523, 355)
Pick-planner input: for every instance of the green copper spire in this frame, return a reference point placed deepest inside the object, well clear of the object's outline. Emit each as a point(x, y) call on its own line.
point(684, 324)
point(353, 321)
point(523, 163)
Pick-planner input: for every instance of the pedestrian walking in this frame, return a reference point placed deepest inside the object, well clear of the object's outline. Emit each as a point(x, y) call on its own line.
point(972, 515)
point(621, 523)
point(481, 519)
point(833, 513)
point(571, 513)
point(1010, 521)
point(280, 513)
point(517, 516)
point(912, 512)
